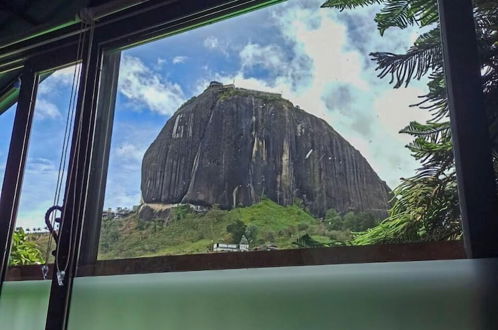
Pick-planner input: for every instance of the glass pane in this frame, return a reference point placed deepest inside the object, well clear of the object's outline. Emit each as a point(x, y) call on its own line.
point(6, 123)
point(387, 296)
point(32, 243)
point(23, 304)
point(485, 18)
point(273, 130)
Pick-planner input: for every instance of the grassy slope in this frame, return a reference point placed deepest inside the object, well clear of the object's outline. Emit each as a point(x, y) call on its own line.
point(189, 232)
point(41, 241)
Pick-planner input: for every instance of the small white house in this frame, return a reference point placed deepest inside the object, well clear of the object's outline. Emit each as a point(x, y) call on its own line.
point(221, 247)
point(242, 246)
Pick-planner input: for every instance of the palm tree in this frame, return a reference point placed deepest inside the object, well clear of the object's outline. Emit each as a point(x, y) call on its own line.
point(425, 206)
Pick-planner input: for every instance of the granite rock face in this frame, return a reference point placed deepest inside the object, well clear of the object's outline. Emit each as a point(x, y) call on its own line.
point(230, 146)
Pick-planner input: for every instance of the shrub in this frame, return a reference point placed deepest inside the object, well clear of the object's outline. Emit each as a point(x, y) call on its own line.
point(302, 227)
point(269, 236)
point(236, 230)
point(23, 251)
point(333, 220)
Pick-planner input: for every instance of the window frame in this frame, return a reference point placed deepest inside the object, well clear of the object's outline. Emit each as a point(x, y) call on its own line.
point(477, 201)
point(16, 160)
point(424, 251)
point(145, 22)
point(33, 69)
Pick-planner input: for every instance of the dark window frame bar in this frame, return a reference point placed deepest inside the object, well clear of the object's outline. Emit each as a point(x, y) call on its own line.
point(70, 233)
point(424, 251)
point(16, 161)
point(150, 20)
point(469, 127)
point(19, 144)
point(456, 21)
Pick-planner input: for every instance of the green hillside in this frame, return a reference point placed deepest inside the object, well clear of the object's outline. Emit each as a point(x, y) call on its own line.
point(265, 224)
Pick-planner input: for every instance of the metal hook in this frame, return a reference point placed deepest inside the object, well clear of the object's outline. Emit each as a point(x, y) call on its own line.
point(49, 224)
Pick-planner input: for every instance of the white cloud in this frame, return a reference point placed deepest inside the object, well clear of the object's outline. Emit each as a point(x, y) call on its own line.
point(318, 68)
point(316, 58)
point(146, 88)
point(211, 42)
point(122, 196)
point(38, 165)
point(317, 35)
point(65, 75)
point(46, 110)
point(215, 44)
point(37, 191)
point(130, 141)
point(312, 61)
point(160, 62)
point(40, 177)
point(179, 59)
point(393, 109)
point(55, 83)
point(130, 151)
point(270, 57)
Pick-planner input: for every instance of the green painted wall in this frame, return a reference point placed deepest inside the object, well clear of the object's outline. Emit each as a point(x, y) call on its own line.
point(413, 295)
point(23, 305)
point(398, 296)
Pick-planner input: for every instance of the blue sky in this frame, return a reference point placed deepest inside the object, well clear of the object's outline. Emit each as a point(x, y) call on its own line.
point(317, 58)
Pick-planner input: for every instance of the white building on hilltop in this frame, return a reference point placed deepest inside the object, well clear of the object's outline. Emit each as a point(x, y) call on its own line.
point(241, 247)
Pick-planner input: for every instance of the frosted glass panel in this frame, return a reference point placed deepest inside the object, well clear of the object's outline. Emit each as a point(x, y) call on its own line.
point(23, 305)
point(413, 295)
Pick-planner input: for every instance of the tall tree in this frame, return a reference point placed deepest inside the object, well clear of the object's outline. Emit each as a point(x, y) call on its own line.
point(425, 206)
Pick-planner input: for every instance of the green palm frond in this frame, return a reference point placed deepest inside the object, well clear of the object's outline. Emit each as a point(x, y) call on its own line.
point(350, 4)
point(403, 13)
point(433, 129)
point(416, 63)
point(436, 101)
point(430, 38)
point(425, 206)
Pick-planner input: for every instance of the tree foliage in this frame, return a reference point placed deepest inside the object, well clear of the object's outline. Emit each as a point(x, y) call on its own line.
point(350, 221)
point(109, 234)
point(252, 234)
point(236, 230)
point(425, 206)
point(24, 252)
point(306, 241)
point(395, 13)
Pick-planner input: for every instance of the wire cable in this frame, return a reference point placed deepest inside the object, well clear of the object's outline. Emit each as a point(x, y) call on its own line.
point(61, 271)
point(65, 144)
